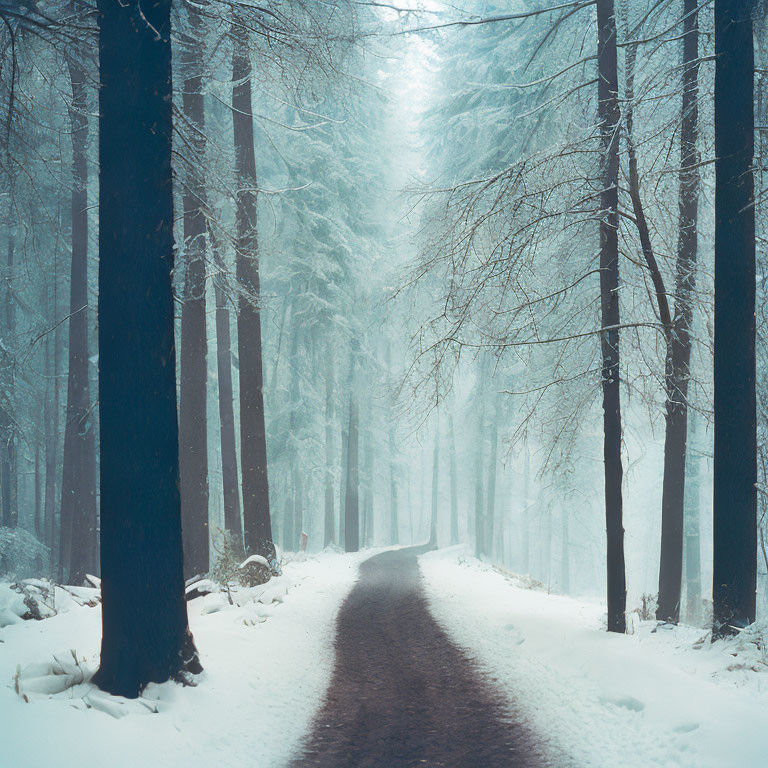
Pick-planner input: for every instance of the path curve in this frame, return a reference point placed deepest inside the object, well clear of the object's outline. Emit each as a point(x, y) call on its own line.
point(402, 694)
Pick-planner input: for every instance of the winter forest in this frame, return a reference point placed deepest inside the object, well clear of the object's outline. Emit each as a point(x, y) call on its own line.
point(383, 383)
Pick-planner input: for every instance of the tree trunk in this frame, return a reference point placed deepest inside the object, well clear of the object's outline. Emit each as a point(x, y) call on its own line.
point(145, 635)
point(298, 508)
point(232, 520)
point(351, 498)
point(491, 497)
point(329, 534)
point(38, 494)
point(525, 544)
point(565, 559)
point(343, 480)
point(294, 532)
point(479, 511)
point(193, 413)
point(369, 463)
point(454, 482)
point(679, 341)
point(8, 432)
point(692, 528)
point(78, 484)
point(50, 417)
point(435, 487)
point(288, 525)
point(608, 115)
point(257, 524)
point(735, 465)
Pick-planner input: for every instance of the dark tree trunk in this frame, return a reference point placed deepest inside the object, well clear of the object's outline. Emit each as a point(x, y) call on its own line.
point(232, 521)
point(329, 532)
point(193, 414)
point(78, 483)
point(257, 523)
point(145, 634)
point(608, 115)
point(735, 467)
point(435, 486)
point(679, 341)
point(351, 497)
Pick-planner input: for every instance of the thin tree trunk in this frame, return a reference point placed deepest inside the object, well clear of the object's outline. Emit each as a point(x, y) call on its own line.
point(679, 341)
point(454, 482)
point(343, 482)
point(479, 510)
point(232, 519)
point(608, 115)
point(8, 436)
point(329, 533)
point(38, 494)
point(352, 496)
point(435, 486)
point(193, 408)
point(298, 508)
point(491, 496)
point(51, 429)
point(369, 464)
point(78, 484)
point(692, 528)
point(145, 636)
point(257, 524)
point(735, 466)
point(565, 559)
point(525, 517)
point(394, 522)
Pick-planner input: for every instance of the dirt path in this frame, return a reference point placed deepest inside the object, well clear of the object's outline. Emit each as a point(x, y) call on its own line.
point(402, 694)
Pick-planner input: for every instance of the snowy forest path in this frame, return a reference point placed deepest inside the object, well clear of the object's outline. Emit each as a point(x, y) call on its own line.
point(402, 694)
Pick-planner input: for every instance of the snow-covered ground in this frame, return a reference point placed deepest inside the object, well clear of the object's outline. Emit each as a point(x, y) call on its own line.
point(595, 699)
point(651, 699)
point(267, 665)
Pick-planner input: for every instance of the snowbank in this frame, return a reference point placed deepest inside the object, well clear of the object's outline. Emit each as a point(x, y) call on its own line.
point(595, 699)
point(268, 659)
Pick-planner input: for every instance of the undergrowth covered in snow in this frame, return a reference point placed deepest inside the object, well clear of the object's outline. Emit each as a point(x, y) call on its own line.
point(267, 652)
